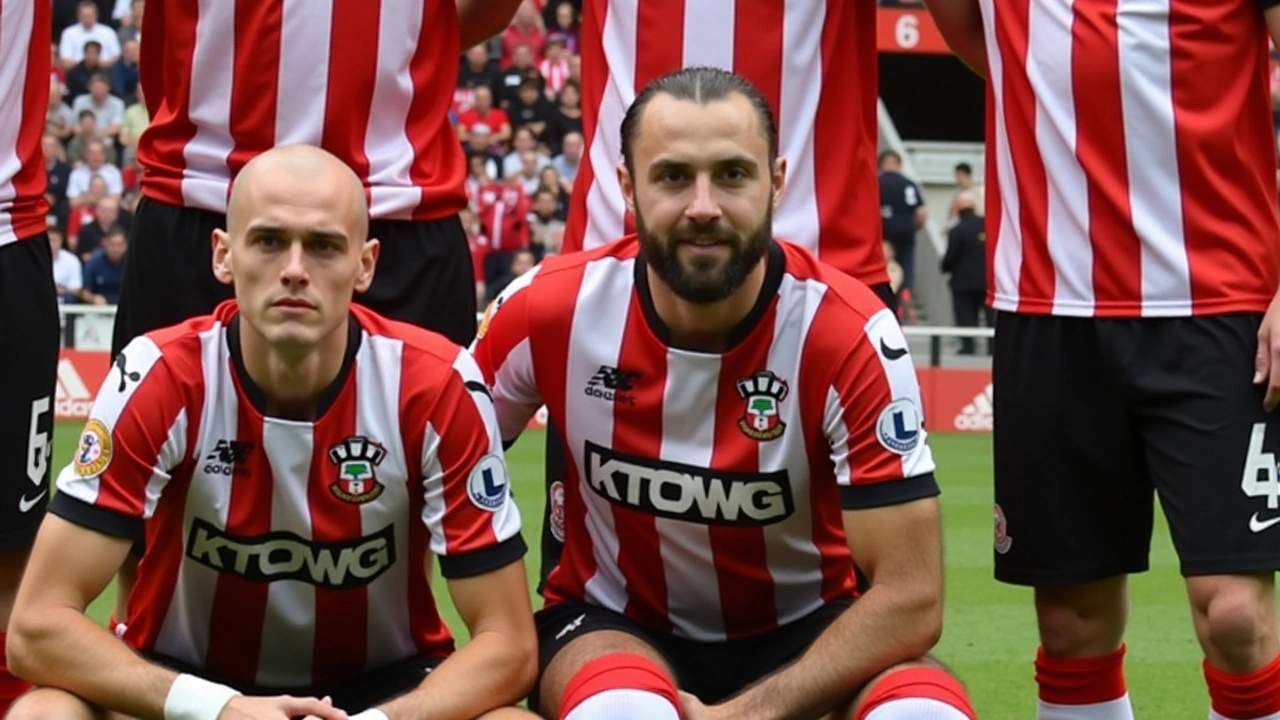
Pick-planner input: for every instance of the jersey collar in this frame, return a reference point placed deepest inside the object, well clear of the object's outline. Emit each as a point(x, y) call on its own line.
point(330, 395)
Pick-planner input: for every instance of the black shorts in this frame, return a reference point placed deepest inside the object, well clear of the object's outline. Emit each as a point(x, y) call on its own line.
point(28, 375)
point(1093, 416)
point(713, 671)
point(424, 274)
point(356, 695)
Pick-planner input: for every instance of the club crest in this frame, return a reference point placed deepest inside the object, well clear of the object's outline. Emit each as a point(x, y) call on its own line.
point(357, 459)
point(762, 394)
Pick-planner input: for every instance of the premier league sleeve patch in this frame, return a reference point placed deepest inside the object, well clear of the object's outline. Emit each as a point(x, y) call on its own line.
point(898, 428)
point(94, 453)
point(488, 484)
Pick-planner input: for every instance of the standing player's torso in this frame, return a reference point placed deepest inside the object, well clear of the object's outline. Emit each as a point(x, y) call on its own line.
point(704, 501)
point(370, 83)
point(1132, 156)
point(25, 28)
point(814, 61)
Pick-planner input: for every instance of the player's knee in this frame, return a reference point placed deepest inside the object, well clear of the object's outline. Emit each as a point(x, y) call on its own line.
point(620, 686)
point(1081, 621)
point(910, 690)
point(1234, 615)
point(46, 703)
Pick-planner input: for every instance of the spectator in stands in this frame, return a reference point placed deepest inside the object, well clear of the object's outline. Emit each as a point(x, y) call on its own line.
point(136, 120)
point(124, 74)
point(549, 179)
point(543, 224)
point(56, 71)
point(83, 214)
point(131, 23)
point(68, 273)
point(902, 207)
point(476, 71)
point(86, 132)
point(570, 157)
point(513, 78)
point(479, 245)
point(964, 183)
point(104, 269)
point(554, 68)
point(79, 75)
point(527, 176)
point(71, 46)
point(485, 117)
point(531, 110)
point(483, 166)
point(503, 209)
point(525, 29)
point(107, 215)
point(108, 110)
point(566, 118)
point(95, 164)
point(965, 260)
point(522, 261)
point(58, 119)
point(58, 172)
point(566, 24)
point(524, 142)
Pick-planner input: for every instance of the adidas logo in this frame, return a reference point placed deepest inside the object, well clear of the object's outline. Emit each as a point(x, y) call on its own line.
point(977, 415)
point(72, 399)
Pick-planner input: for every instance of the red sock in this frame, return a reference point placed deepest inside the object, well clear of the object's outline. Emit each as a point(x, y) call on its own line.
point(617, 671)
point(918, 682)
point(1080, 681)
point(10, 687)
point(1244, 697)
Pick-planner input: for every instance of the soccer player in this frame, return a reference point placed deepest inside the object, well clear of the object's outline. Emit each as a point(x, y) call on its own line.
point(1133, 253)
point(294, 461)
point(742, 423)
point(371, 83)
point(28, 300)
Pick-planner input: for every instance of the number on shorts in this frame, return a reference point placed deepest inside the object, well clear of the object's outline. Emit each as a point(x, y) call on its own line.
point(1259, 479)
point(38, 443)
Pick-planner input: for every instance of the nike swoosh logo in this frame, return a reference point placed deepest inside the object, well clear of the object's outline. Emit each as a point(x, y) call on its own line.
point(25, 505)
point(1258, 526)
point(891, 353)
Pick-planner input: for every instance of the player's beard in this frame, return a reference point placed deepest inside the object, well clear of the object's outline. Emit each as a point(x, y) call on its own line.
point(705, 280)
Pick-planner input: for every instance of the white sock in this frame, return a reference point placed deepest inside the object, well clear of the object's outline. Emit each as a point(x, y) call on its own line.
point(624, 704)
point(916, 709)
point(1118, 709)
point(1215, 716)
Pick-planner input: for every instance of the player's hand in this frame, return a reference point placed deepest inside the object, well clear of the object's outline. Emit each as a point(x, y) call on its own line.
point(691, 708)
point(280, 707)
point(1267, 361)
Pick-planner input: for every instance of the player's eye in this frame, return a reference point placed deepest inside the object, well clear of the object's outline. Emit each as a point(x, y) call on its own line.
point(734, 174)
point(671, 176)
point(269, 242)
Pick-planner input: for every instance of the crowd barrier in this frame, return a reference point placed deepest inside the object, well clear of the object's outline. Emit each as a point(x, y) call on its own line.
point(954, 399)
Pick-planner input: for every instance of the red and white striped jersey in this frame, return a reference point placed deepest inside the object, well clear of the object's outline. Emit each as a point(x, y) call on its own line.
point(1131, 161)
point(283, 553)
point(25, 29)
point(815, 62)
point(225, 81)
point(705, 490)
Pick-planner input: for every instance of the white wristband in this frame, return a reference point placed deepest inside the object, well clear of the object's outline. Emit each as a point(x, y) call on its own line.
point(193, 698)
point(370, 714)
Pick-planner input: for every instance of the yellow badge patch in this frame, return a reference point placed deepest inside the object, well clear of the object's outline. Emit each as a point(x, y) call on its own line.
point(94, 453)
point(484, 321)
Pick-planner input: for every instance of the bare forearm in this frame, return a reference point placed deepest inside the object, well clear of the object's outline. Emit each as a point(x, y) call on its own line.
point(64, 649)
point(492, 670)
point(1273, 23)
point(880, 630)
point(479, 20)
point(960, 22)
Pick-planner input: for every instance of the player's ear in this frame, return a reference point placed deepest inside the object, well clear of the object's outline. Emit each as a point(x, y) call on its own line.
point(628, 189)
point(779, 180)
point(368, 264)
point(222, 256)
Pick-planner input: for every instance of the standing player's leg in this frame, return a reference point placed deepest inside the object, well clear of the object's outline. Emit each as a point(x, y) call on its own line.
point(1073, 505)
point(1213, 452)
point(28, 369)
point(424, 276)
point(168, 278)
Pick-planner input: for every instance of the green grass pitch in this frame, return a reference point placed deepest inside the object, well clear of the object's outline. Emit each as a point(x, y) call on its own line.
point(989, 637)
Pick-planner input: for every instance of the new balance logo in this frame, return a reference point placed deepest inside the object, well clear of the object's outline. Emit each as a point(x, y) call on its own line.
point(227, 457)
point(72, 398)
point(612, 384)
point(977, 415)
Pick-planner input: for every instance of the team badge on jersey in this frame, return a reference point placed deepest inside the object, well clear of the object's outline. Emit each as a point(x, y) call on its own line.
point(556, 500)
point(94, 453)
point(356, 458)
point(899, 426)
point(1003, 541)
point(488, 485)
point(763, 394)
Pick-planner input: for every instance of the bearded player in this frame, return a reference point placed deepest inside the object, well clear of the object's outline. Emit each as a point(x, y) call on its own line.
point(294, 462)
point(742, 423)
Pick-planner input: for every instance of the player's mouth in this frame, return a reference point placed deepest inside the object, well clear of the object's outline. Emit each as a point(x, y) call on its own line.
point(292, 305)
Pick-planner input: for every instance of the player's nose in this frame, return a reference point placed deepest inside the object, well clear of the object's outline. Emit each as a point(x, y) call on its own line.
point(294, 271)
point(703, 204)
